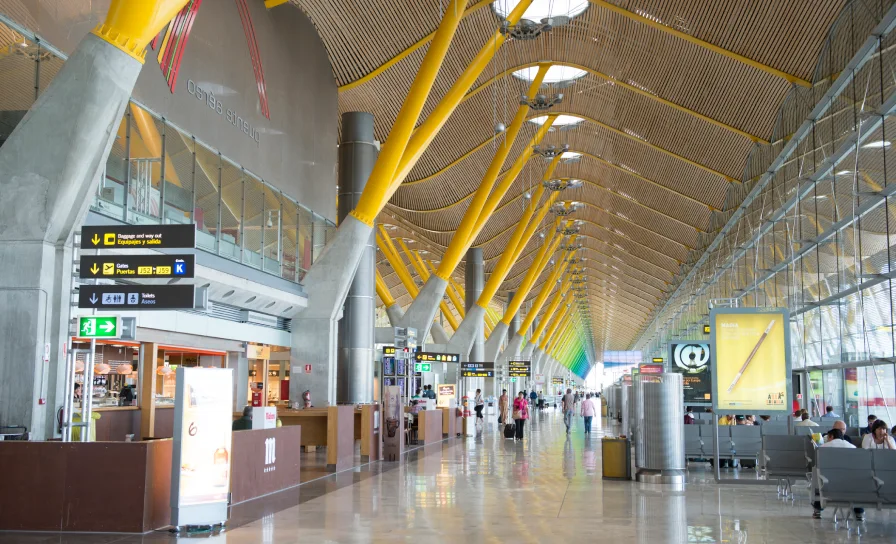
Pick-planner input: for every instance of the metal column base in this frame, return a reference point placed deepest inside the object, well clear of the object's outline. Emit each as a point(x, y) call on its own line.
point(648, 476)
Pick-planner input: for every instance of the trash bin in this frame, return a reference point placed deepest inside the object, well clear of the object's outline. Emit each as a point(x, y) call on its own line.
point(617, 458)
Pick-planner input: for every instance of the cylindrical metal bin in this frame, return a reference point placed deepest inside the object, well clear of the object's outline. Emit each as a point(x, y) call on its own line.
point(659, 456)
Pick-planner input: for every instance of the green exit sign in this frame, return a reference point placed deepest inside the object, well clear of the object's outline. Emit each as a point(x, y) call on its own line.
point(422, 367)
point(512, 380)
point(99, 326)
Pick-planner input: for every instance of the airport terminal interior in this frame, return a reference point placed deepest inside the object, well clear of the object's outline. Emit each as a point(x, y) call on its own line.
point(277, 271)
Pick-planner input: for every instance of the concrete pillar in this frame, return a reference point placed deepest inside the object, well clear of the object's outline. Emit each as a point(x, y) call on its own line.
point(49, 169)
point(240, 364)
point(474, 282)
point(355, 358)
point(515, 321)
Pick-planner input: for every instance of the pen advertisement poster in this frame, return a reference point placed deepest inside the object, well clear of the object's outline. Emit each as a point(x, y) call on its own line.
point(751, 361)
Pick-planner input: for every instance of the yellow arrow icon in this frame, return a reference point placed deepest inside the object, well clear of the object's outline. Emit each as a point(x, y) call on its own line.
point(95, 240)
point(94, 269)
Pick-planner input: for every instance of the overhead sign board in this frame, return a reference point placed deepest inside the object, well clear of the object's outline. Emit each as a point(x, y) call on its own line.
point(138, 236)
point(423, 356)
point(557, 381)
point(137, 266)
point(657, 360)
point(137, 297)
point(751, 360)
point(477, 370)
point(519, 369)
point(692, 360)
point(388, 350)
point(99, 326)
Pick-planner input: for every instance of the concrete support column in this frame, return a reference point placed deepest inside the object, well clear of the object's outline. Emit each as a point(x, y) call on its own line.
point(355, 357)
point(514, 326)
point(474, 282)
point(240, 365)
point(49, 169)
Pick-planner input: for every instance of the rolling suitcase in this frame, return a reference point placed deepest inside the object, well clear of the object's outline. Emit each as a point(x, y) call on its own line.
point(509, 430)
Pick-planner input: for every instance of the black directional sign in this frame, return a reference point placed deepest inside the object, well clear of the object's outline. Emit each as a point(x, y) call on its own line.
point(427, 357)
point(136, 297)
point(138, 236)
point(477, 370)
point(137, 266)
point(519, 369)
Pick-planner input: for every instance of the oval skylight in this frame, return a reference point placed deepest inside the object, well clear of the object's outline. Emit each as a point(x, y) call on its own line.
point(557, 73)
point(542, 9)
point(560, 121)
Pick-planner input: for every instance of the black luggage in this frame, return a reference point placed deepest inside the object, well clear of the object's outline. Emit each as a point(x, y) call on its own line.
point(510, 430)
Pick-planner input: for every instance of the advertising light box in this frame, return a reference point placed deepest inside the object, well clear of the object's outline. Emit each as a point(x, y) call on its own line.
point(751, 360)
point(692, 361)
point(201, 457)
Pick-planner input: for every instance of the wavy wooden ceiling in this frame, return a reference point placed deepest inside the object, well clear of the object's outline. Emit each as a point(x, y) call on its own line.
point(668, 125)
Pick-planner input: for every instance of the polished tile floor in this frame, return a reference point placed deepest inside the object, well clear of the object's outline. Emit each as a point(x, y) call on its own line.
point(547, 489)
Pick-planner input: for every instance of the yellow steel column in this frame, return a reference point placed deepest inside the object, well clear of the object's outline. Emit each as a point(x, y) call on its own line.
point(541, 260)
point(452, 293)
point(555, 321)
point(551, 338)
point(513, 250)
point(376, 193)
point(424, 275)
point(397, 264)
point(463, 236)
point(549, 314)
point(130, 25)
point(382, 290)
point(426, 133)
point(498, 193)
point(546, 289)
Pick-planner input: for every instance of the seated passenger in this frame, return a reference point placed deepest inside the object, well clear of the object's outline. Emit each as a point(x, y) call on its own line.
point(806, 422)
point(878, 438)
point(244, 423)
point(835, 439)
point(829, 412)
point(841, 425)
point(750, 420)
point(689, 416)
point(865, 430)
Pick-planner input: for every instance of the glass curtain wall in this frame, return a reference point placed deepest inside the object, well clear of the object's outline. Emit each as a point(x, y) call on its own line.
point(157, 173)
point(816, 230)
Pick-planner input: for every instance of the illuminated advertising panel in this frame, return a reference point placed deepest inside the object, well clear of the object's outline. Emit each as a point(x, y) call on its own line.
point(692, 360)
point(201, 456)
point(751, 360)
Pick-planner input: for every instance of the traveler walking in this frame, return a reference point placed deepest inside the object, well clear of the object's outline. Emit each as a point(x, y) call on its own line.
point(568, 405)
point(520, 414)
point(503, 406)
point(588, 412)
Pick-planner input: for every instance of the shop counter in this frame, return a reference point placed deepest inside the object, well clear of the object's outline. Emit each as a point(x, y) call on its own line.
point(85, 486)
point(429, 426)
point(125, 487)
point(333, 427)
point(257, 471)
point(116, 422)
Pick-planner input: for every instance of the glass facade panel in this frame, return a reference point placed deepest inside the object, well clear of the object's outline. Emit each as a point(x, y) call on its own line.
point(156, 173)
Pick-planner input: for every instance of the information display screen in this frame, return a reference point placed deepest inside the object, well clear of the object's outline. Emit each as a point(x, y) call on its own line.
point(751, 360)
point(692, 361)
point(388, 366)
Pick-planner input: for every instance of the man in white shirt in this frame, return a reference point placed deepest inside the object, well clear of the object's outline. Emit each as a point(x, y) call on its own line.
point(834, 439)
point(806, 422)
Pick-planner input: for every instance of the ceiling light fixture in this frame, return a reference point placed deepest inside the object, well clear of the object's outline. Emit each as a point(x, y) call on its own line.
point(877, 144)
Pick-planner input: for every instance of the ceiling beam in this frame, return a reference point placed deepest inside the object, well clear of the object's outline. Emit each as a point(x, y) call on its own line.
point(701, 43)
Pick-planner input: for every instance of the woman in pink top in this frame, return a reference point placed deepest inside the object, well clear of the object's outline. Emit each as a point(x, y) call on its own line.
point(520, 414)
point(588, 412)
